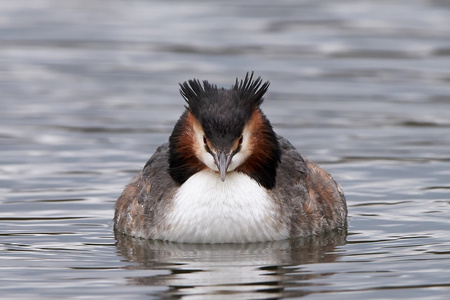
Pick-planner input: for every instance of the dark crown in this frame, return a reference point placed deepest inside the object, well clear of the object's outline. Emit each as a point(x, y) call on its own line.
point(245, 95)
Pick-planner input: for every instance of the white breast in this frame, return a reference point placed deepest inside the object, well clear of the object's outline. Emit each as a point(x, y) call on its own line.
point(207, 210)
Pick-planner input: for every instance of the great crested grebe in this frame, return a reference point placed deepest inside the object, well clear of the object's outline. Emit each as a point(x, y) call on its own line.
point(225, 176)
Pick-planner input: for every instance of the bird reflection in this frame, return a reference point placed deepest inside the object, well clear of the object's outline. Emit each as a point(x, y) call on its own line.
point(229, 271)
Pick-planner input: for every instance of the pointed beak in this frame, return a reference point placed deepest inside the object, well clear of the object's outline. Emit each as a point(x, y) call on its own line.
point(222, 161)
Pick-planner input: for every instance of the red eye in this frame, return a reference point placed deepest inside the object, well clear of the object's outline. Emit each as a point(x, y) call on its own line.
point(241, 139)
point(204, 140)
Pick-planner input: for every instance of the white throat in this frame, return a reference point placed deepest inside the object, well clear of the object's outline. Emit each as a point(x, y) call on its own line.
point(207, 210)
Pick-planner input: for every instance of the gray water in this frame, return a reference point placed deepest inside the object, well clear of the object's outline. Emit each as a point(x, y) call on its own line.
point(89, 89)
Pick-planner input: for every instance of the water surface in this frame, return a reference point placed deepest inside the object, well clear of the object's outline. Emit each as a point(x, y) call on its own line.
point(89, 90)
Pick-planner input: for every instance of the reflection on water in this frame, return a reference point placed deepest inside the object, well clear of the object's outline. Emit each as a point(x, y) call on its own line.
point(227, 271)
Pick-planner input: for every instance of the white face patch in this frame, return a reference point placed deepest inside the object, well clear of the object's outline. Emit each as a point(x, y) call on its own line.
point(208, 160)
point(246, 149)
point(200, 151)
point(238, 159)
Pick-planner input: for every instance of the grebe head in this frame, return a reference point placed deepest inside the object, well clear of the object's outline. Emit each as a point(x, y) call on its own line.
point(224, 130)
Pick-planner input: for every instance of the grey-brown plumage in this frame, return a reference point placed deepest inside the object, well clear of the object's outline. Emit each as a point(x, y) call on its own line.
point(308, 199)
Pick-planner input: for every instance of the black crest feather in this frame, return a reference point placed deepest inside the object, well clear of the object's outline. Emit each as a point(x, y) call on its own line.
point(252, 90)
point(246, 94)
point(193, 91)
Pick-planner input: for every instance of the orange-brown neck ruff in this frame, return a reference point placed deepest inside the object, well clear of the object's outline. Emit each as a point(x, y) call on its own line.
point(183, 163)
point(265, 155)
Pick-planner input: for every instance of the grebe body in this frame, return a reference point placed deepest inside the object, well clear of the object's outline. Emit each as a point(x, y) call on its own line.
point(226, 177)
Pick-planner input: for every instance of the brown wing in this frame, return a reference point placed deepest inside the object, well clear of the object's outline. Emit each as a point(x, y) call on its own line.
point(326, 197)
point(308, 197)
point(141, 207)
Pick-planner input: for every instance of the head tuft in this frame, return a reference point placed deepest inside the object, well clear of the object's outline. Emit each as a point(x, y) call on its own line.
point(251, 90)
point(203, 97)
point(195, 93)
